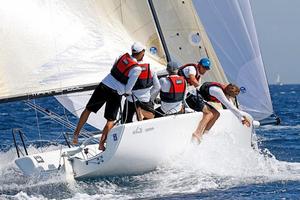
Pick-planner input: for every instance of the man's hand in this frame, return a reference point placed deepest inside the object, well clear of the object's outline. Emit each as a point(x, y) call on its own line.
point(246, 121)
point(193, 80)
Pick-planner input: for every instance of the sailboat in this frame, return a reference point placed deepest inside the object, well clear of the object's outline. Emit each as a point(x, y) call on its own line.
point(65, 48)
point(278, 81)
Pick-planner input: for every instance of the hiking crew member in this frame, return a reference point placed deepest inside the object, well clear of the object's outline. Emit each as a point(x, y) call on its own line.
point(193, 73)
point(172, 93)
point(120, 81)
point(220, 93)
point(140, 102)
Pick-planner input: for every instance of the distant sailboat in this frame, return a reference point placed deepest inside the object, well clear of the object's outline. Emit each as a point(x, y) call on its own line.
point(278, 81)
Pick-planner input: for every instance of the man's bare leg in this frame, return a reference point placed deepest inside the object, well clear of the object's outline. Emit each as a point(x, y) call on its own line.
point(207, 116)
point(108, 126)
point(83, 118)
point(216, 115)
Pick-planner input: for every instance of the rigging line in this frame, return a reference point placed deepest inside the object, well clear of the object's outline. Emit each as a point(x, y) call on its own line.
point(57, 118)
point(37, 122)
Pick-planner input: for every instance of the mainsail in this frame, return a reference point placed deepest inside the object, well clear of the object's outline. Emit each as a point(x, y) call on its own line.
point(231, 29)
point(185, 36)
point(182, 30)
point(49, 45)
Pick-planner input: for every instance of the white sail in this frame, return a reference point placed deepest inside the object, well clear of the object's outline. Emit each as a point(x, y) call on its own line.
point(182, 35)
point(185, 36)
point(231, 29)
point(49, 45)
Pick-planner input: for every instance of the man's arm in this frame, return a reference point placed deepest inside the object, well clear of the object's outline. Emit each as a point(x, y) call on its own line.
point(133, 76)
point(219, 94)
point(156, 87)
point(193, 80)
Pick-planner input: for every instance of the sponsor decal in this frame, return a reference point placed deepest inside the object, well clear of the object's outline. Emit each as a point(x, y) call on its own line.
point(138, 130)
point(149, 129)
point(178, 81)
point(125, 61)
point(39, 159)
point(115, 137)
point(243, 90)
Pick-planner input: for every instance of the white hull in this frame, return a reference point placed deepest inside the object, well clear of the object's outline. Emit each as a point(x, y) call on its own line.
point(136, 147)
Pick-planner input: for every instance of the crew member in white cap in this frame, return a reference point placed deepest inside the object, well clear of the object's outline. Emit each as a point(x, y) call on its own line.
point(120, 81)
point(144, 91)
point(172, 93)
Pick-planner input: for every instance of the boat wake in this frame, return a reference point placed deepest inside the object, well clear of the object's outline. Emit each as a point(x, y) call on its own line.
point(217, 163)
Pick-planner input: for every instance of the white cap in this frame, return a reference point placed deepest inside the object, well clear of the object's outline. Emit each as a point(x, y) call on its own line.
point(137, 47)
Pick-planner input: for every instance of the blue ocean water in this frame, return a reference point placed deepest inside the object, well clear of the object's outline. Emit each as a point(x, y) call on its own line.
point(271, 171)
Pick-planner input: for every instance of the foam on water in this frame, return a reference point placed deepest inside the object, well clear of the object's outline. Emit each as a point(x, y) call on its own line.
point(214, 164)
point(278, 127)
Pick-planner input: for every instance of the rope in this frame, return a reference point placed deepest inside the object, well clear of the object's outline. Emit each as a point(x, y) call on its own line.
point(57, 118)
point(37, 123)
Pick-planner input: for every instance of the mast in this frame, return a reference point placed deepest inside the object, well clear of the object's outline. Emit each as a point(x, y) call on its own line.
point(161, 36)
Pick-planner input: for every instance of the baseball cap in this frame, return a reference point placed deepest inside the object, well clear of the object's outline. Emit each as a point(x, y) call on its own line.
point(205, 62)
point(137, 47)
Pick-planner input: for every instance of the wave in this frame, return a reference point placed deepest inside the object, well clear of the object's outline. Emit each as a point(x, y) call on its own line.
point(217, 163)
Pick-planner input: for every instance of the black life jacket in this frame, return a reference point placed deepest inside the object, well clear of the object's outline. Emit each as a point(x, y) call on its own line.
point(177, 90)
point(121, 68)
point(181, 73)
point(145, 79)
point(204, 91)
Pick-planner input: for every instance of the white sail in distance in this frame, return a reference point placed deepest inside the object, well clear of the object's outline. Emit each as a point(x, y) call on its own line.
point(231, 29)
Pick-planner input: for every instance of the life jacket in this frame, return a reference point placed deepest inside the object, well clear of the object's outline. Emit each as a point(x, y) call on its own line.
point(145, 79)
point(177, 90)
point(121, 68)
point(204, 91)
point(181, 73)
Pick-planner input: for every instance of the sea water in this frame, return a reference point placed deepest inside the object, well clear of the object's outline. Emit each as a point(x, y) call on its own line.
point(216, 169)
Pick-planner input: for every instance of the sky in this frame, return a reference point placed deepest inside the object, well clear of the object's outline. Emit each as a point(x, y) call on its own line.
point(278, 29)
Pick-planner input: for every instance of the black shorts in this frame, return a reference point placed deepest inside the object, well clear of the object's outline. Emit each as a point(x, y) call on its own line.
point(104, 94)
point(148, 106)
point(159, 112)
point(129, 111)
point(195, 102)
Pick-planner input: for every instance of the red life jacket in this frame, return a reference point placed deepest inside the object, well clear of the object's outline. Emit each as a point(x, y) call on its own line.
point(177, 90)
point(181, 73)
point(204, 91)
point(145, 79)
point(121, 68)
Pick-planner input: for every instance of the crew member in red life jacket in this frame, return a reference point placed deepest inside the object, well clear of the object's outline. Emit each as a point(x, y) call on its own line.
point(141, 101)
point(225, 94)
point(120, 81)
point(172, 92)
point(193, 73)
